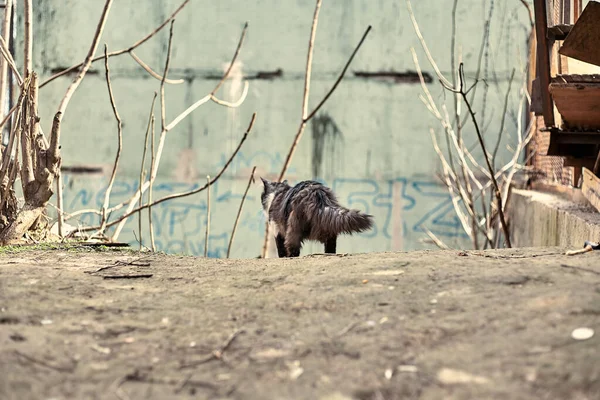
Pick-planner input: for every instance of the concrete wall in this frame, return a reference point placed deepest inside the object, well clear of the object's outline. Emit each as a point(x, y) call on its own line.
point(370, 142)
point(544, 219)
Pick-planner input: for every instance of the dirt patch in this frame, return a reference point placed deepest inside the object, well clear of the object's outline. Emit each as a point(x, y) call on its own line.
point(427, 325)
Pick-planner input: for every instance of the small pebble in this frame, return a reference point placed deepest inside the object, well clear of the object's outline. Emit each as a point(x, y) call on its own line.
point(582, 333)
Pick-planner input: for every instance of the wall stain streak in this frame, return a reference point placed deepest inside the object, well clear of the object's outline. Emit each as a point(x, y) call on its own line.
point(325, 137)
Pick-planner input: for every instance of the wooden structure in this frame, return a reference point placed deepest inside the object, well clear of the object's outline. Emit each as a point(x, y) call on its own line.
point(568, 103)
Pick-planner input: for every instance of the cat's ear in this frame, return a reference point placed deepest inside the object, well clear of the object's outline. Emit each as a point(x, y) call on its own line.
point(285, 182)
point(264, 181)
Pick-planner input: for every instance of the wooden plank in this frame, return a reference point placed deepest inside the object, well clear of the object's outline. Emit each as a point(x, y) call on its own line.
point(577, 6)
point(591, 188)
point(582, 41)
point(543, 60)
point(578, 104)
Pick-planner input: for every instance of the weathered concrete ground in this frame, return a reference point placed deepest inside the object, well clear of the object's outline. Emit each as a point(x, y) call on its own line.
point(427, 325)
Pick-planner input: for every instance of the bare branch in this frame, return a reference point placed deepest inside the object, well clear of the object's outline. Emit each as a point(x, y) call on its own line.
point(188, 193)
point(309, 57)
point(503, 119)
point(9, 58)
point(163, 112)
point(341, 76)
point(207, 216)
point(487, 161)
point(161, 142)
point(441, 77)
point(235, 55)
point(151, 72)
point(298, 136)
point(122, 51)
point(152, 244)
point(67, 97)
point(88, 59)
point(436, 240)
point(142, 168)
point(28, 38)
point(237, 218)
point(6, 30)
point(119, 141)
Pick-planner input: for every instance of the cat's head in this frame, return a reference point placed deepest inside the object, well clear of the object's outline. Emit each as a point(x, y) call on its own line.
point(270, 189)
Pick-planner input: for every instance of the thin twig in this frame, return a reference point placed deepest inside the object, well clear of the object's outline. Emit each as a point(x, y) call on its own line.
point(28, 38)
point(233, 59)
point(151, 72)
point(163, 113)
point(43, 363)
point(441, 77)
point(207, 215)
point(183, 194)
point(341, 76)
point(529, 12)
point(503, 119)
point(152, 244)
point(161, 142)
point(487, 158)
point(239, 213)
point(216, 354)
point(153, 172)
point(6, 30)
point(9, 58)
point(142, 168)
point(438, 242)
point(119, 141)
point(298, 136)
point(122, 51)
point(67, 97)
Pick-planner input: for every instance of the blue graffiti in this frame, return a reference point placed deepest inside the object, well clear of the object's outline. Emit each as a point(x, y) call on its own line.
point(179, 225)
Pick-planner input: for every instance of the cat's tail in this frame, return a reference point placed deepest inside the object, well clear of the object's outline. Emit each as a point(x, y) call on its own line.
point(338, 220)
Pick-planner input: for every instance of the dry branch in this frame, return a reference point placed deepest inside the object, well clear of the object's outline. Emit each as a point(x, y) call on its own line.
point(28, 38)
point(152, 244)
point(6, 31)
point(69, 93)
point(122, 51)
point(119, 141)
point(161, 142)
point(151, 72)
point(142, 168)
point(207, 216)
point(183, 194)
point(298, 136)
point(237, 218)
point(9, 58)
point(305, 115)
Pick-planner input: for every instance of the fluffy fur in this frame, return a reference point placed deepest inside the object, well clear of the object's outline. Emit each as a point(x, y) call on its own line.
point(308, 211)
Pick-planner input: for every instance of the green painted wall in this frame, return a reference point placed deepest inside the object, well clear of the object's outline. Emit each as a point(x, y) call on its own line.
point(371, 141)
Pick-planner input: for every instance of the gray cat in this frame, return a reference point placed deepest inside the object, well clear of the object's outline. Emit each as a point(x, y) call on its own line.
point(308, 211)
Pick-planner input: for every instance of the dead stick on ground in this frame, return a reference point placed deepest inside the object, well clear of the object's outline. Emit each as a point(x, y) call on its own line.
point(237, 218)
point(122, 51)
point(67, 97)
point(216, 354)
point(119, 142)
point(207, 215)
point(142, 168)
